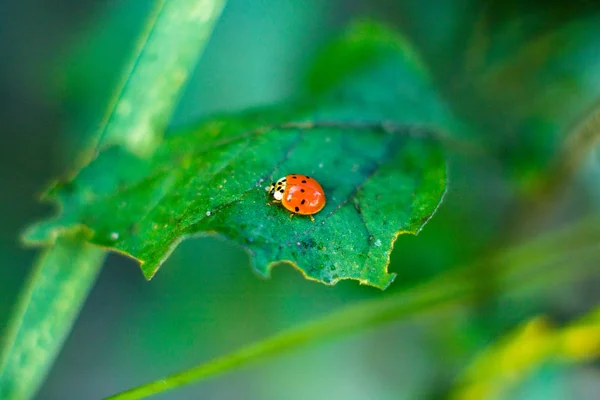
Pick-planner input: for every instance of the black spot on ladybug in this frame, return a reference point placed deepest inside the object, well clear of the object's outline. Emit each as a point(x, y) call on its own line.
point(293, 177)
point(307, 177)
point(283, 180)
point(303, 181)
point(281, 191)
point(302, 190)
point(297, 209)
point(303, 201)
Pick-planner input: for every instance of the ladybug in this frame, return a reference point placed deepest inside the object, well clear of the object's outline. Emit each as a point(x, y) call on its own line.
point(299, 194)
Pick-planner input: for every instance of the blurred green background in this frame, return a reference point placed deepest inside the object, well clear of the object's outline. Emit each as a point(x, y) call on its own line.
point(518, 74)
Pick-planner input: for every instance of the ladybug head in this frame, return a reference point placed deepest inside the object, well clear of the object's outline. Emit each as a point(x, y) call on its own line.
point(276, 189)
point(270, 188)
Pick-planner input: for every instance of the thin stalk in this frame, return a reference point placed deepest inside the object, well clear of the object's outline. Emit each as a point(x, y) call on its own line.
point(521, 266)
point(175, 35)
point(49, 304)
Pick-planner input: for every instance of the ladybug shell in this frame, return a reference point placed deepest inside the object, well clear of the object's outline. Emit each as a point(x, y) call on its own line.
point(303, 195)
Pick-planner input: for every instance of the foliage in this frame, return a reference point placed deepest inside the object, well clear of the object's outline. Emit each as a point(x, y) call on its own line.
point(499, 368)
point(66, 271)
point(382, 176)
point(383, 127)
point(520, 268)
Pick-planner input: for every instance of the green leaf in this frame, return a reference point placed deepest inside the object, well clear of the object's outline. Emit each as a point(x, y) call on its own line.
point(46, 312)
point(365, 43)
point(382, 177)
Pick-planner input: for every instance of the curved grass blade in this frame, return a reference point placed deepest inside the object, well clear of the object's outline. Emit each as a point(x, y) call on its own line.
point(176, 33)
point(49, 304)
point(524, 265)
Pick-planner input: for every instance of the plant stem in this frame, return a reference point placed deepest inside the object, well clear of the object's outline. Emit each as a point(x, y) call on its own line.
point(456, 287)
point(175, 35)
point(579, 141)
point(351, 319)
point(46, 311)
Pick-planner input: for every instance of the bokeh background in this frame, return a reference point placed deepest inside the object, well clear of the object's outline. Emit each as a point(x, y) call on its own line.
point(58, 64)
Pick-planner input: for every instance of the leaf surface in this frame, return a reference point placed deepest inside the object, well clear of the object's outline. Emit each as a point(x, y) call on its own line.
point(382, 177)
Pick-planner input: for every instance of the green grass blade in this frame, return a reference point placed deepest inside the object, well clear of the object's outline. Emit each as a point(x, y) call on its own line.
point(175, 35)
point(47, 309)
point(354, 318)
point(517, 268)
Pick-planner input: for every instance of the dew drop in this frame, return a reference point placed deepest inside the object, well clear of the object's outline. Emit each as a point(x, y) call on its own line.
point(378, 243)
point(114, 236)
point(208, 213)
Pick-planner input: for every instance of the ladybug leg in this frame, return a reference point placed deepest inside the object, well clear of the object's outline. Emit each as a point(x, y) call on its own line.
point(291, 215)
point(312, 218)
point(273, 202)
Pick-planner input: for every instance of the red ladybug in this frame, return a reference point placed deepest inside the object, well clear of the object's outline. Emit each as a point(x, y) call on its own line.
point(299, 194)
